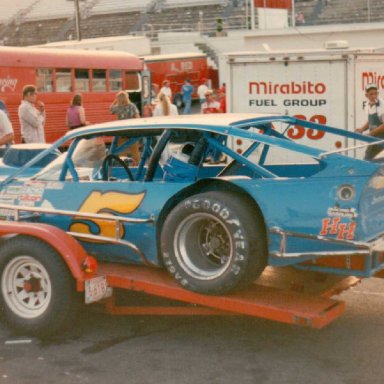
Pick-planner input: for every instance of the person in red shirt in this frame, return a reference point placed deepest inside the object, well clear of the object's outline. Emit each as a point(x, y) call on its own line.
point(210, 105)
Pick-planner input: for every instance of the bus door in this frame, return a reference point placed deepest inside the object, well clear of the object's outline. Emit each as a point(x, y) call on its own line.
point(146, 93)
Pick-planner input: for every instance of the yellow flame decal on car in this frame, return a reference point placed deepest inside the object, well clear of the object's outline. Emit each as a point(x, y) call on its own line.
point(109, 203)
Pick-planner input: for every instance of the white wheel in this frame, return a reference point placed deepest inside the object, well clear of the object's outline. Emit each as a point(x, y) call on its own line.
point(37, 291)
point(26, 287)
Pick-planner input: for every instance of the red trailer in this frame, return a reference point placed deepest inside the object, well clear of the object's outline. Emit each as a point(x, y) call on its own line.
point(177, 68)
point(46, 273)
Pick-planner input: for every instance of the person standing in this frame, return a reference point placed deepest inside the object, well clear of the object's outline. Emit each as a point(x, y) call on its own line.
point(76, 113)
point(166, 89)
point(6, 132)
point(187, 91)
point(32, 119)
point(374, 110)
point(164, 107)
point(201, 90)
point(123, 108)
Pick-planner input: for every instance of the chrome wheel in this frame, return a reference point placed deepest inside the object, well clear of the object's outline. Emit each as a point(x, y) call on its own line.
point(26, 287)
point(203, 246)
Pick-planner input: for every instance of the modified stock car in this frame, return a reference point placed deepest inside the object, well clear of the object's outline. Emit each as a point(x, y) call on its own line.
point(214, 227)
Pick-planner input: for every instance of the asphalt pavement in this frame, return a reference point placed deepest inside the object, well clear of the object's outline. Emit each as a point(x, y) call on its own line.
point(104, 349)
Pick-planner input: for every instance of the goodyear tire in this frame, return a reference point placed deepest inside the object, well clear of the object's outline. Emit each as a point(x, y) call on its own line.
point(37, 290)
point(214, 242)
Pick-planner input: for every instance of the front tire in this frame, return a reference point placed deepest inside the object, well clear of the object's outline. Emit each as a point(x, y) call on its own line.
point(214, 242)
point(37, 290)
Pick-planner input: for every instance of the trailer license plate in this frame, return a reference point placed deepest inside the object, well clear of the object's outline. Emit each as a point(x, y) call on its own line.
point(96, 289)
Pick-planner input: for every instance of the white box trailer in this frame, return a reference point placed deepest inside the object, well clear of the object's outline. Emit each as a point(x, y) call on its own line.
point(321, 86)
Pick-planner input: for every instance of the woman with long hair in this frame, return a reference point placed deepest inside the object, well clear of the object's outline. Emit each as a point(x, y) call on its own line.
point(123, 108)
point(76, 113)
point(164, 106)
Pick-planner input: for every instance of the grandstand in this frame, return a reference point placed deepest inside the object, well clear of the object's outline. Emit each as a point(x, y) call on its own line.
point(28, 22)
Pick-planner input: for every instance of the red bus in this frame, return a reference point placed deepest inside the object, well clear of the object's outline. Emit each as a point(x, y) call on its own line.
point(59, 74)
point(177, 68)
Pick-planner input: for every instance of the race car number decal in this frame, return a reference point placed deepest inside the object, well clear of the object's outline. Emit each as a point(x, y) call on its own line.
point(108, 203)
point(333, 226)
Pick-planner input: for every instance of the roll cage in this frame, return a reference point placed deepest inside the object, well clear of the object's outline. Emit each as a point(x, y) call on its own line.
point(211, 134)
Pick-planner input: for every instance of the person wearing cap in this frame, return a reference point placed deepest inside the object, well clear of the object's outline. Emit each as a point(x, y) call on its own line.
point(187, 91)
point(374, 110)
point(202, 88)
point(210, 105)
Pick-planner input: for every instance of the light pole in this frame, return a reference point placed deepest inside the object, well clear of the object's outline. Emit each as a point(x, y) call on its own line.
point(77, 19)
point(293, 14)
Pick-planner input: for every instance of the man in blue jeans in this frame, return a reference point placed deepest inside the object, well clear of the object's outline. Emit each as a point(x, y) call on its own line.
point(187, 91)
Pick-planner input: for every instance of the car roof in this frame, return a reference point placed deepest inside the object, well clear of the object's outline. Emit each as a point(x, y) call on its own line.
point(203, 120)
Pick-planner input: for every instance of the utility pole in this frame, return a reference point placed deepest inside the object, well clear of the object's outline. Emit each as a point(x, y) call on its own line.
point(253, 14)
point(293, 14)
point(77, 18)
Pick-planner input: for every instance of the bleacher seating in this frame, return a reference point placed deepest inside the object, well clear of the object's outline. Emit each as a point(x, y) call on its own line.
point(192, 3)
point(106, 25)
point(335, 11)
point(116, 6)
point(51, 9)
point(33, 32)
point(188, 18)
point(10, 9)
point(27, 22)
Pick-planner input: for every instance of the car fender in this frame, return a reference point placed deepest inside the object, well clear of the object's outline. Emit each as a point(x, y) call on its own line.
point(69, 248)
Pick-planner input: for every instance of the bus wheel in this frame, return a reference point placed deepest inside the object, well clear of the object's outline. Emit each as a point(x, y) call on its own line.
point(214, 242)
point(178, 101)
point(37, 290)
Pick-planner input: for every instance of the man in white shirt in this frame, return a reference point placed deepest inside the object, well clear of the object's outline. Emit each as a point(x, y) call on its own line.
point(32, 120)
point(6, 132)
point(166, 89)
point(374, 110)
point(201, 90)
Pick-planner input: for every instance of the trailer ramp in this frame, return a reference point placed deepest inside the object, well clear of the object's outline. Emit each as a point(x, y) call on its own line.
point(281, 294)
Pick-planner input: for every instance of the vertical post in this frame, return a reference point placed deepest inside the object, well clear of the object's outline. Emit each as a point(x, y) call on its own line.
point(246, 14)
point(77, 18)
point(293, 14)
point(252, 14)
point(369, 10)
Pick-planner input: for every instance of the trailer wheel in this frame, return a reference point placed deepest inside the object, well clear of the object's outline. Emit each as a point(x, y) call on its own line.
point(214, 242)
point(37, 290)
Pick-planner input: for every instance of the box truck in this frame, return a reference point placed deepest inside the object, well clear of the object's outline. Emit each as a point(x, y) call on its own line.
point(324, 86)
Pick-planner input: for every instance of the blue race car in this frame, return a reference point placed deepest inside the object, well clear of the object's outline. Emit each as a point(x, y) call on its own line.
point(214, 227)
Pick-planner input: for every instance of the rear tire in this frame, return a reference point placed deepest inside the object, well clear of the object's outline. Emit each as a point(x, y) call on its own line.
point(37, 291)
point(214, 242)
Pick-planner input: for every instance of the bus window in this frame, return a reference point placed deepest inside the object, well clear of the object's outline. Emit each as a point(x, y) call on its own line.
point(63, 80)
point(44, 80)
point(132, 81)
point(116, 79)
point(82, 80)
point(99, 80)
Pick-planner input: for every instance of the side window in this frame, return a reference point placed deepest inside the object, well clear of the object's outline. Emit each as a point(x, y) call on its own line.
point(63, 80)
point(82, 80)
point(116, 79)
point(99, 80)
point(132, 81)
point(44, 80)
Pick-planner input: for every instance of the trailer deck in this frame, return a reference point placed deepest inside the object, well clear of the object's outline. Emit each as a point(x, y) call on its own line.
point(281, 294)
